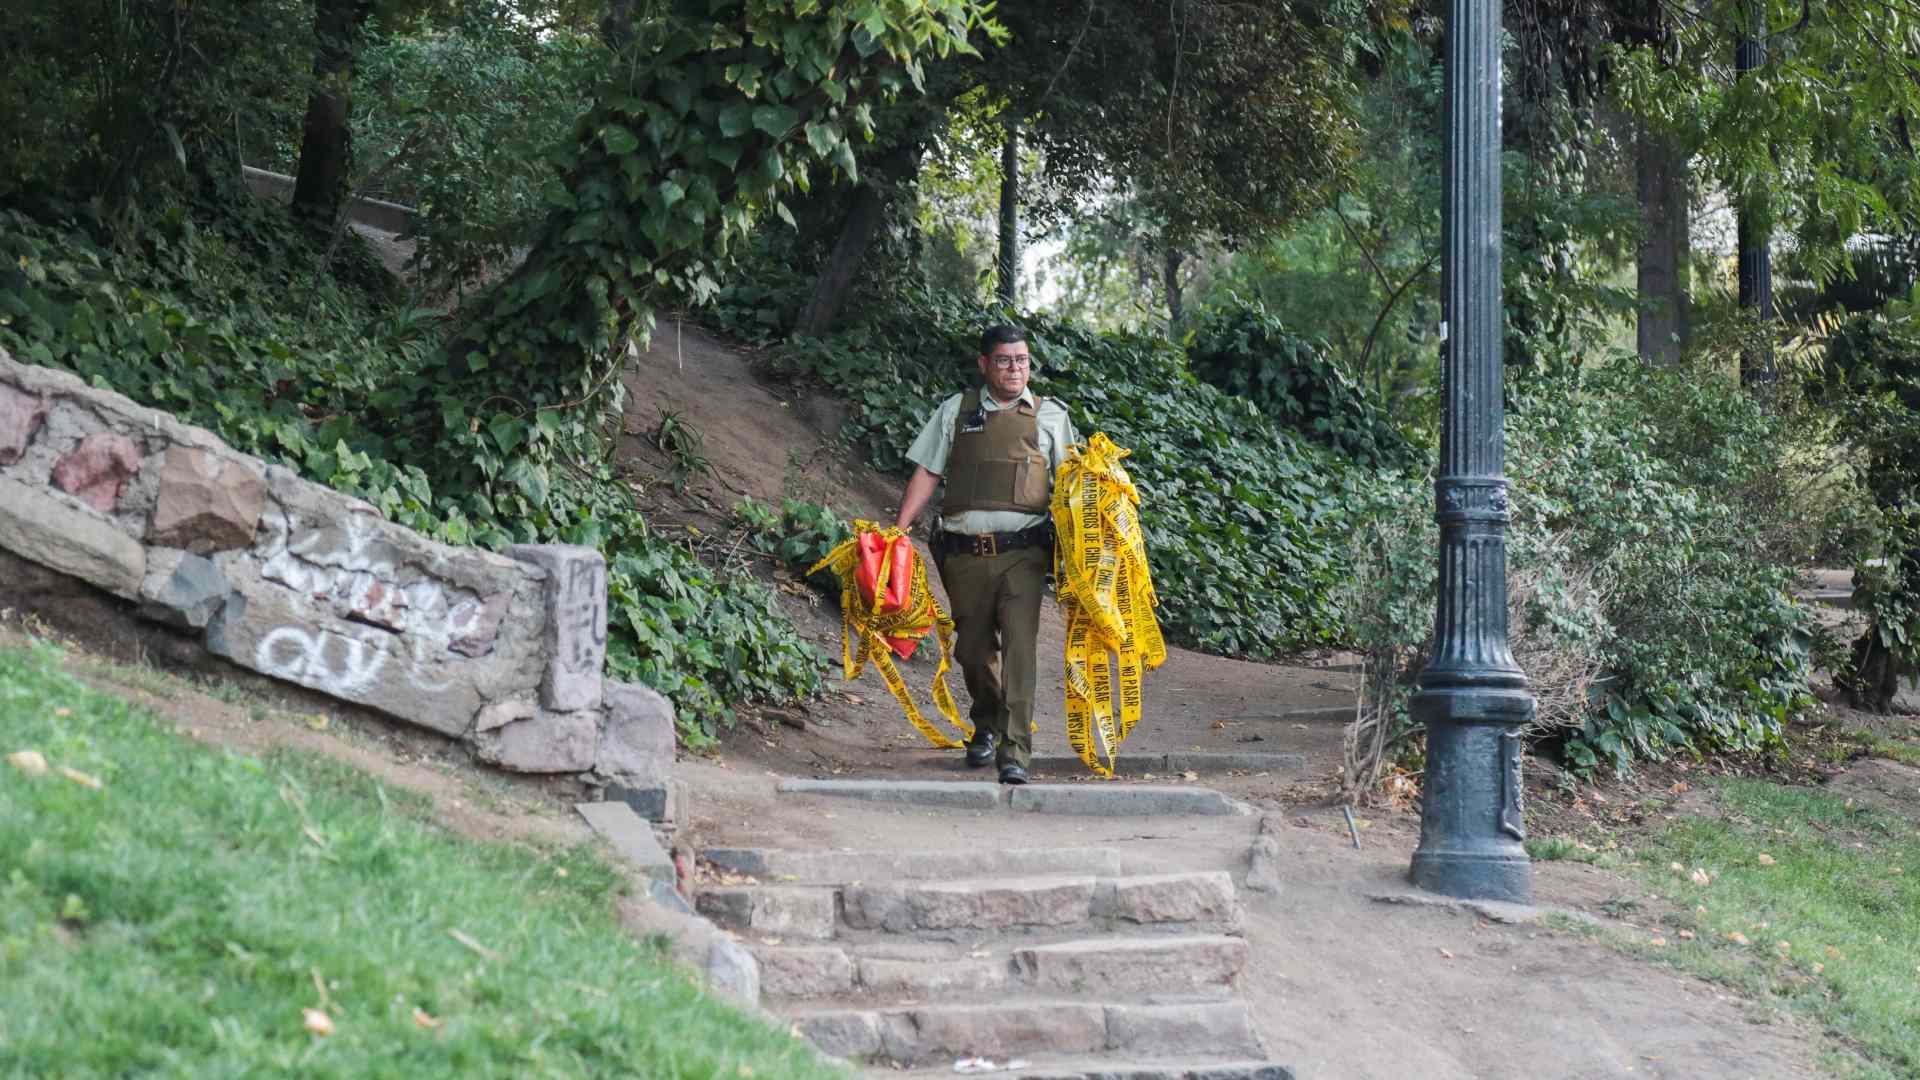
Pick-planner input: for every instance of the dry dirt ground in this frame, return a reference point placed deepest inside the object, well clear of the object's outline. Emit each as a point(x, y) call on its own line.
point(1342, 986)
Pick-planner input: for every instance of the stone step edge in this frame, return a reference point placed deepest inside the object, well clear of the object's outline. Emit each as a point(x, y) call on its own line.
point(841, 968)
point(1092, 799)
point(821, 912)
point(863, 1034)
point(1047, 1067)
point(788, 866)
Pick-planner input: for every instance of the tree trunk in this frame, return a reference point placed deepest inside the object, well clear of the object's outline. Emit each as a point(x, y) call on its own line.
point(1664, 248)
point(326, 142)
point(864, 217)
point(1176, 304)
point(1009, 265)
point(616, 24)
point(830, 289)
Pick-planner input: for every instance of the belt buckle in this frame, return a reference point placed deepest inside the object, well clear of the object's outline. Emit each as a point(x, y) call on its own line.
point(986, 545)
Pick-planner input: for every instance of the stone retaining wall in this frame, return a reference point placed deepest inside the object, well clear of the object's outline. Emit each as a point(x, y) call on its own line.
point(294, 580)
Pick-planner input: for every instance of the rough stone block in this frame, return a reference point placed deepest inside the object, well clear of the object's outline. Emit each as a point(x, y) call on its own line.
point(1119, 800)
point(551, 742)
point(1169, 898)
point(1220, 1029)
point(800, 971)
point(1263, 862)
point(21, 415)
point(60, 536)
point(960, 794)
point(794, 912)
point(983, 905)
point(657, 800)
point(96, 469)
point(848, 1034)
point(182, 589)
point(277, 632)
point(927, 978)
point(576, 632)
point(499, 714)
point(631, 837)
point(207, 502)
point(731, 907)
point(732, 970)
point(1204, 963)
point(919, 1036)
point(637, 745)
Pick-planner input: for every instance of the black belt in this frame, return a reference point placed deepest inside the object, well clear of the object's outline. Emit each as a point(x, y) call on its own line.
point(990, 544)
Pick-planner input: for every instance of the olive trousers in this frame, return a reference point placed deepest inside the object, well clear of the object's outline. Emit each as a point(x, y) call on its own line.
point(996, 617)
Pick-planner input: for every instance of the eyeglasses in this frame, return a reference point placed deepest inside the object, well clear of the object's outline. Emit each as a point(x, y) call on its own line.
point(1008, 363)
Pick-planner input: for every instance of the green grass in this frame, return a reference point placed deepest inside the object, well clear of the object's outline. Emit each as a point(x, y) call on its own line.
point(179, 919)
point(1841, 890)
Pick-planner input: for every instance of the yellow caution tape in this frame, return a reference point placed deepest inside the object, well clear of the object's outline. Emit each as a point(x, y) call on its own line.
point(864, 630)
point(1100, 565)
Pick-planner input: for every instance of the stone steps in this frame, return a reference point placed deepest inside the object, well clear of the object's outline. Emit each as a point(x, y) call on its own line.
point(1195, 965)
point(948, 910)
point(830, 867)
point(927, 1034)
point(1055, 1068)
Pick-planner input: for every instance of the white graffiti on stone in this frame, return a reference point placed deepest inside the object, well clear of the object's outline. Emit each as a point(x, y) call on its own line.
point(341, 665)
point(582, 616)
point(348, 566)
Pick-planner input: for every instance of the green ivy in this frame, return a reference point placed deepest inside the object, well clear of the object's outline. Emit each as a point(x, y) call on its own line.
point(1247, 352)
point(1242, 517)
point(240, 326)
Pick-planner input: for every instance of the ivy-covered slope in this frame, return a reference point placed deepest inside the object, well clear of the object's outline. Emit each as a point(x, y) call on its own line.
point(231, 317)
point(1244, 519)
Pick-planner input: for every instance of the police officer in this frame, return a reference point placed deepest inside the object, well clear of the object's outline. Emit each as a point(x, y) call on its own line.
point(998, 448)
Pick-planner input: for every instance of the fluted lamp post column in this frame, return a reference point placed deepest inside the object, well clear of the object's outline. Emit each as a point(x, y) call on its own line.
point(1472, 697)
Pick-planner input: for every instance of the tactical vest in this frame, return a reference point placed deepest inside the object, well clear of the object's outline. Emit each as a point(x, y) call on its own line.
point(997, 465)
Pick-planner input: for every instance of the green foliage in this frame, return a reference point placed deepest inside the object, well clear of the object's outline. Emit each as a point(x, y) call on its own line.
point(1240, 515)
point(178, 919)
point(460, 122)
point(1247, 352)
point(1654, 536)
point(685, 445)
point(799, 534)
point(117, 104)
point(1870, 377)
point(238, 326)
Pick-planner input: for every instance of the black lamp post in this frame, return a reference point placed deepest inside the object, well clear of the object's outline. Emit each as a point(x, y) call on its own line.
point(1473, 697)
point(1754, 227)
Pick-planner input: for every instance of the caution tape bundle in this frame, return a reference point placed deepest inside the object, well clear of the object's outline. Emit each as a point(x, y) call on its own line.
point(1100, 565)
point(886, 608)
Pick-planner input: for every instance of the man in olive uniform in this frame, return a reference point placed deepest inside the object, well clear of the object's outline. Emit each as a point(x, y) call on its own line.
point(998, 447)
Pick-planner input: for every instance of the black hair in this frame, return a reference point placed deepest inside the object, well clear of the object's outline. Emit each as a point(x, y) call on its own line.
point(1003, 334)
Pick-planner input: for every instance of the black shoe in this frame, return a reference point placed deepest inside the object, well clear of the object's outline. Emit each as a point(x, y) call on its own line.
point(980, 750)
point(1012, 774)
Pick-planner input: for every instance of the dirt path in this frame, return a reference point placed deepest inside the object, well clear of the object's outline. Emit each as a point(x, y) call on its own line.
point(1343, 986)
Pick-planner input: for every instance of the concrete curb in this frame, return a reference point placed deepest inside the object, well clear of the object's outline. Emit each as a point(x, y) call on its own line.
point(1204, 762)
point(1498, 911)
point(1118, 800)
point(961, 795)
point(1105, 799)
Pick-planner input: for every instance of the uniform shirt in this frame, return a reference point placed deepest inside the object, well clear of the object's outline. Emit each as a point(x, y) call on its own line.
point(929, 451)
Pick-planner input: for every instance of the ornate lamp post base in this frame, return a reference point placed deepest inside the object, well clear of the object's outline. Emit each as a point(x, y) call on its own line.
point(1472, 830)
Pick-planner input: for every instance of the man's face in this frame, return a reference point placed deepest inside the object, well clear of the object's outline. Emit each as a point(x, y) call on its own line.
point(1006, 369)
